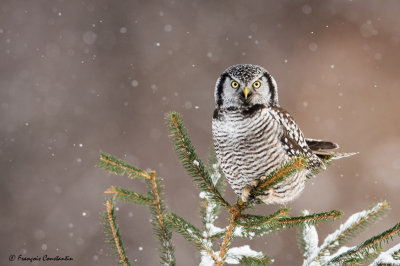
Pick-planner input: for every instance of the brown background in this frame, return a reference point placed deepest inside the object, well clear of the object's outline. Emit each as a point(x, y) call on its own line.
point(104, 73)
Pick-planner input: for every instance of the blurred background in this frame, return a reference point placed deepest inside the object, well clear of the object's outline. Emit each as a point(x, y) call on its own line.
point(77, 77)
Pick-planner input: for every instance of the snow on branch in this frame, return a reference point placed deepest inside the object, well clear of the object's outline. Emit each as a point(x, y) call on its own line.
point(245, 255)
point(367, 248)
point(308, 238)
point(314, 255)
point(389, 257)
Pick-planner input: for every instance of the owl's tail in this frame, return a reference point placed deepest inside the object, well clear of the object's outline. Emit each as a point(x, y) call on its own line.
point(323, 149)
point(331, 155)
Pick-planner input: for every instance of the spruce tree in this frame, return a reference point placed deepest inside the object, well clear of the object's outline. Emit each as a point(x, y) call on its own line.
point(215, 243)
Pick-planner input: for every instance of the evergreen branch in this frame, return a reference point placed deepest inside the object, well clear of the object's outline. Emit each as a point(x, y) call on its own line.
point(310, 219)
point(209, 207)
point(247, 220)
point(353, 225)
point(396, 254)
point(156, 205)
point(189, 232)
point(112, 229)
point(119, 167)
point(389, 257)
point(244, 255)
point(255, 261)
point(253, 227)
point(308, 237)
point(209, 211)
point(277, 176)
point(374, 243)
point(235, 213)
point(189, 158)
point(163, 234)
point(256, 231)
point(354, 260)
point(129, 196)
point(215, 171)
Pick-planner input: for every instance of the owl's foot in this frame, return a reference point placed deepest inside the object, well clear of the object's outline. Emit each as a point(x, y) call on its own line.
point(246, 192)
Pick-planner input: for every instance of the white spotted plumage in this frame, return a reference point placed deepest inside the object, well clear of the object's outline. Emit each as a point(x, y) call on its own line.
point(253, 135)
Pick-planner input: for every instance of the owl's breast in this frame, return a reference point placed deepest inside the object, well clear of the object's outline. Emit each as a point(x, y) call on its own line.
point(247, 147)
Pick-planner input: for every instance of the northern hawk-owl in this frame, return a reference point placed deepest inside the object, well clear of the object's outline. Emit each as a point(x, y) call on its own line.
point(253, 135)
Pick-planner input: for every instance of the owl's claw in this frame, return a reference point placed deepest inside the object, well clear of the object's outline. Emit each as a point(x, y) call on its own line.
point(255, 182)
point(246, 192)
point(246, 195)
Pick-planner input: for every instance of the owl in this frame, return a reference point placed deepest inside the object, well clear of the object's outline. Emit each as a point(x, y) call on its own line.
point(253, 135)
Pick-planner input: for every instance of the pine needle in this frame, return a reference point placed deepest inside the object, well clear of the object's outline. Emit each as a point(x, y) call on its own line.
point(112, 231)
point(189, 158)
point(373, 244)
point(129, 196)
point(119, 167)
point(277, 176)
point(255, 261)
point(247, 220)
point(189, 232)
point(153, 200)
point(354, 225)
point(246, 256)
point(164, 235)
point(311, 219)
point(389, 257)
point(307, 238)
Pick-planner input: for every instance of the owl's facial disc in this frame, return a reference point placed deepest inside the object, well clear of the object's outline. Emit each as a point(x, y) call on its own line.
point(243, 86)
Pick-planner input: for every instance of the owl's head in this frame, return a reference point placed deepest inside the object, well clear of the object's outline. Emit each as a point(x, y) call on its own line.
point(245, 85)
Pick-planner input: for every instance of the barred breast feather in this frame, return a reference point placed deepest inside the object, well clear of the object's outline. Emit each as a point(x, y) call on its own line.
point(250, 143)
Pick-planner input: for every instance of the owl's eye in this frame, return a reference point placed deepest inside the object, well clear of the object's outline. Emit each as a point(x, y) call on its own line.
point(234, 84)
point(257, 84)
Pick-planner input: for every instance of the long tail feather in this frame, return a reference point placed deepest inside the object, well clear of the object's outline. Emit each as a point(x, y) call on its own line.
point(339, 155)
point(329, 155)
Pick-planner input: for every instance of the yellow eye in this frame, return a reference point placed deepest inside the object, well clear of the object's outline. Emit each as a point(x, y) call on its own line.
point(234, 84)
point(257, 84)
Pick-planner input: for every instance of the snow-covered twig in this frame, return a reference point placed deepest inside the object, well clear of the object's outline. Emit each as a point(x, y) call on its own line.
point(389, 257)
point(355, 223)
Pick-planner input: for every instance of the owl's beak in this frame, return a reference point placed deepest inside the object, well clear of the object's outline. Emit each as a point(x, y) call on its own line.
point(246, 92)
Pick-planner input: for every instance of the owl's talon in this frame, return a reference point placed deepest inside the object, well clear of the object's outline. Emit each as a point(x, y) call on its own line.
point(246, 195)
point(255, 182)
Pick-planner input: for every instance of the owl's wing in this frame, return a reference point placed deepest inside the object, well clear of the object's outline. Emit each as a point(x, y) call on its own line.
point(292, 139)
